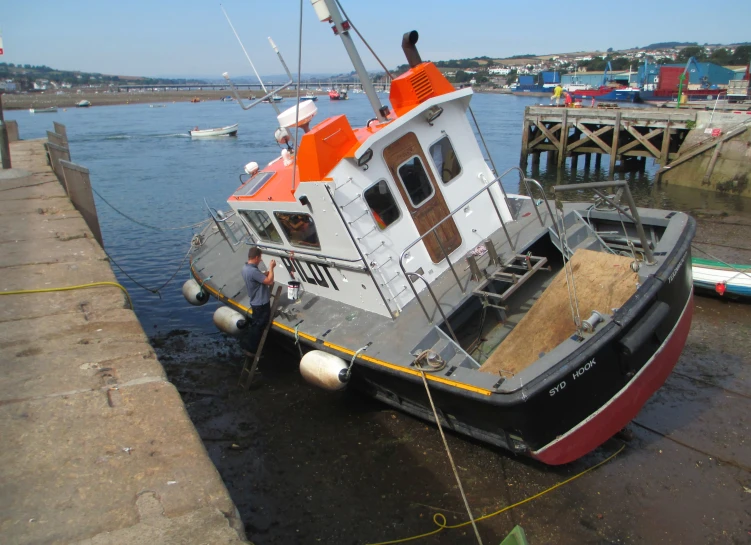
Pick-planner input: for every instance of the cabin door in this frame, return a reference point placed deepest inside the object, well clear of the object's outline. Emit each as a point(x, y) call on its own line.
point(414, 178)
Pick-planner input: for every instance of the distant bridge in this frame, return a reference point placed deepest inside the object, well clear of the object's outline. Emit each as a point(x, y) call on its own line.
point(246, 86)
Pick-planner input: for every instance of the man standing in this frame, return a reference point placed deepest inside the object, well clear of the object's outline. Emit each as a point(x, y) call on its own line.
point(259, 293)
point(556, 95)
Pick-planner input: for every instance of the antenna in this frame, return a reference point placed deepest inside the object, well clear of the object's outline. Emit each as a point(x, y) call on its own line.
point(226, 76)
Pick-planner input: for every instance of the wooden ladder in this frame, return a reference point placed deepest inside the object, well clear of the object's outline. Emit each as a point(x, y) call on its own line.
point(251, 364)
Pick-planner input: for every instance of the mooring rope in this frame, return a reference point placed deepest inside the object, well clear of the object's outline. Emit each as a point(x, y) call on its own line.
point(439, 519)
point(155, 291)
point(69, 288)
point(142, 224)
point(435, 366)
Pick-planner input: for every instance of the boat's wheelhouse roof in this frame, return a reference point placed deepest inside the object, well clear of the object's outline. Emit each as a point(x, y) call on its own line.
point(334, 139)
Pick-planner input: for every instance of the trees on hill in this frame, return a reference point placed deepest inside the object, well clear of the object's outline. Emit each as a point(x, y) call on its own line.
point(741, 55)
point(694, 51)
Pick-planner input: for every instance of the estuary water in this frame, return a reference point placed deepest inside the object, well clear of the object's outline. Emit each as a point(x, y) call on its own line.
point(144, 164)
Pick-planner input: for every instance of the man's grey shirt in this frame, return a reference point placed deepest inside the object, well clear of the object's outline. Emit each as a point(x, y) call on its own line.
point(259, 293)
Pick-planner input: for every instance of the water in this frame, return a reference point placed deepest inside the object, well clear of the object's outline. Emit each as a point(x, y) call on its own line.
point(142, 161)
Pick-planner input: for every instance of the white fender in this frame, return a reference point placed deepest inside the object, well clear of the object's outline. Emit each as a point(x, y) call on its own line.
point(194, 294)
point(324, 370)
point(229, 320)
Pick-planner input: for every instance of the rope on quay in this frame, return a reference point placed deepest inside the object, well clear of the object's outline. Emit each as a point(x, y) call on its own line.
point(70, 288)
point(126, 216)
point(439, 519)
point(27, 185)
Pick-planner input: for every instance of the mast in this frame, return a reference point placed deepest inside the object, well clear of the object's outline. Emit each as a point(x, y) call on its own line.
point(327, 10)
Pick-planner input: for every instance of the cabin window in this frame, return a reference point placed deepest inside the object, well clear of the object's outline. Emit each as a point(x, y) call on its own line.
point(382, 205)
point(299, 229)
point(415, 180)
point(262, 225)
point(445, 160)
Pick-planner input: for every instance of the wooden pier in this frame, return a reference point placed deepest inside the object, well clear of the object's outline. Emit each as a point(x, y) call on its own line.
point(619, 133)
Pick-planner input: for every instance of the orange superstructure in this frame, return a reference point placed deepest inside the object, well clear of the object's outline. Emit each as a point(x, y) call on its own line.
point(323, 147)
point(417, 85)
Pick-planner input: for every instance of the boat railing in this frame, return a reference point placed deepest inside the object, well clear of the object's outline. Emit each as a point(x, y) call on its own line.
point(633, 216)
point(433, 232)
point(222, 223)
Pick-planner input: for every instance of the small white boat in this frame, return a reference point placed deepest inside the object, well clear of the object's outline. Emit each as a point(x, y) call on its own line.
point(83, 104)
point(50, 110)
point(157, 105)
point(230, 130)
point(735, 280)
point(314, 98)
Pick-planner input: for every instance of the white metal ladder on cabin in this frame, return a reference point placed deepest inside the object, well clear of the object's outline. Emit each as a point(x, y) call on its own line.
point(374, 266)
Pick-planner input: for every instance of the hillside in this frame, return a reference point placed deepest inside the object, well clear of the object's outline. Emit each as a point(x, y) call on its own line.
point(26, 75)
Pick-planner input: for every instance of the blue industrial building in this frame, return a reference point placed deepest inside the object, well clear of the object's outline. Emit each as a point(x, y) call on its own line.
point(714, 73)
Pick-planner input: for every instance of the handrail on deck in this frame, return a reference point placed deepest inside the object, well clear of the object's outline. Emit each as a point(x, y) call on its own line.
point(427, 285)
point(432, 230)
point(631, 204)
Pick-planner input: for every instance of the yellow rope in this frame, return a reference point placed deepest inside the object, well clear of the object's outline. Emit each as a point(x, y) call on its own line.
point(68, 288)
point(440, 519)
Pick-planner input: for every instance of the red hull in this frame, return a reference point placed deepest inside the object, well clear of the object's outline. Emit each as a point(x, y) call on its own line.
point(625, 405)
point(589, 93)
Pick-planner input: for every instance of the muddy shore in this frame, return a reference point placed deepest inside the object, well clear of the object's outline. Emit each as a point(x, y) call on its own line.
point(47, 99)
point(308, 466)
point(69, 100)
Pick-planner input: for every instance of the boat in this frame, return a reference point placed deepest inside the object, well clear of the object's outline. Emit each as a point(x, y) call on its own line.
point(338, 95)
point(49, 110)
point(228, 98)
point(83, 104)
point(723, 278)
point(314, 98)
point(409, 270)
point(195, 99)
point(274, 98)
point(609, 94)
point(157, 105)
point(230, 130)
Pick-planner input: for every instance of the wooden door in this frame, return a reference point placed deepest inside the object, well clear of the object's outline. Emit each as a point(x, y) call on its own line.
point(430, 210)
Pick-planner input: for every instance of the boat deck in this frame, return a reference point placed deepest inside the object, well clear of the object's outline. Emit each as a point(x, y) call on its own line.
point(345, 328)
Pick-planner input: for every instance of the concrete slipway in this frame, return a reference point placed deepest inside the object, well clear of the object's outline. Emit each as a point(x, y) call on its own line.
point(96, 445)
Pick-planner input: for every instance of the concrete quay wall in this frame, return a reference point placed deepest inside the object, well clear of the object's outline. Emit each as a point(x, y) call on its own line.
point(725, 166)
point(96, 447)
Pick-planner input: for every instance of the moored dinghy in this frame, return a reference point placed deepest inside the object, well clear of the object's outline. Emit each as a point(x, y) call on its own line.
point(723, 278)
point(539, 329)
point(230, 130)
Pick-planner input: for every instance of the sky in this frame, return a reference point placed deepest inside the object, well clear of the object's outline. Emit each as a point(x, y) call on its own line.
point(179, 38)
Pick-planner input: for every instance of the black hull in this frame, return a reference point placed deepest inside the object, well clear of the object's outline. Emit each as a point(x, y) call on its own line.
point(601, 379)
point(576, 405)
